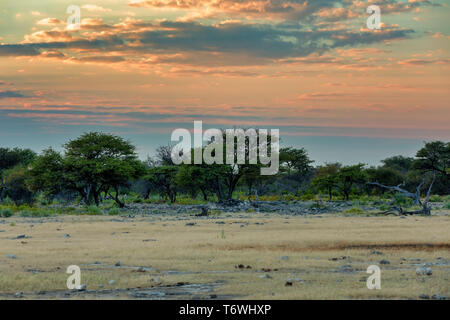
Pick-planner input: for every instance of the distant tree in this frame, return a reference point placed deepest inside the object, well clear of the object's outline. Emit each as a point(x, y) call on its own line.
point(384, 175)
point(98, 162)
point(10, 158)
point(295, 160)
point(326, 177)
point(400, 163)
point(163, 156)
point(349, 176)
point(434, 157)
point(195, 178)
point(18, 189)
point(47, 173)
point(163, 178)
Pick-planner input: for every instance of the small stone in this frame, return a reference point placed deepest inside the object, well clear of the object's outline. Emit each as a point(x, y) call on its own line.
point(288, 284)
point(157, 280)
point(438, 297)
point(424, 271)
point(424, 296)
point(11, 256)
point(190, 224)
point(81, 287)
point(111, 282)
point(265, 276)
point(67, 235)
point(117, 264)
point(21, 236)
point(285, 258)
point(384, 261)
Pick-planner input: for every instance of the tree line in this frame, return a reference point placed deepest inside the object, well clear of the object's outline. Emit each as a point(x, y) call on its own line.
point(98, 166)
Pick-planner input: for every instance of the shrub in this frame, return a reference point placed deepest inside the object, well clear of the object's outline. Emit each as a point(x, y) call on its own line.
point(6, 213)
point(307, 196)
point(447, 205)
point(356, 210)
point(402, 200)
point(436, 198)
point(34, 213)
point(114, 211)
point(93, 210)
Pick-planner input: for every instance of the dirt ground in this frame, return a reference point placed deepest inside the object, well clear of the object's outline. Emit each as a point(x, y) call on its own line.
point(239, 255)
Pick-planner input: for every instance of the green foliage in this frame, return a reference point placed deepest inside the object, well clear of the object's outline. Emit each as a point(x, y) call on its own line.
point(114, 212)
point(17, 182)
point(35, 212)
point(436, 198)
point(163, 178)
point(47, 174)
point(326, 178)
point(98, 162)
point(349, 176)
point(94, 211)
point(6, 213)
point(434, 156)
point(398, 163)
point(10, 158)
point(402, 200)
point(384, 175)
point(295, 160)
point(447, 205)
point(354, 210)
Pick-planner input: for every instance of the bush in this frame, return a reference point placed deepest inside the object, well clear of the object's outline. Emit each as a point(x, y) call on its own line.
point(114, 211)
point(402, 200)
point(94, 211)
point(447, 205)
point(356, 210)
point(436, 198)
point(6, 213)
point(307, 196)
point(37, 213)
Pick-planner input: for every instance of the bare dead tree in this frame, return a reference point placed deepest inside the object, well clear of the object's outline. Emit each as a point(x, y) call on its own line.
point(426, 210)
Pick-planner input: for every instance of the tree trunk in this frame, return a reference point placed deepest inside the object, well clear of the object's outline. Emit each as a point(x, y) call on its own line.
point(116, 198)
point(2, 193)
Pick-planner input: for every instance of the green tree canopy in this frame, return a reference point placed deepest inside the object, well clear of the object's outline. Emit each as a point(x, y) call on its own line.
point(98, 162)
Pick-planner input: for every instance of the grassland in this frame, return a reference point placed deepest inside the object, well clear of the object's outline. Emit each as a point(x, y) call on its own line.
point(323, 256)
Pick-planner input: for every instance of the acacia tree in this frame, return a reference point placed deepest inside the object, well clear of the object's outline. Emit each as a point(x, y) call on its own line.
point(98, 162)
point(349, 176)
point(47, 173)
point(295, 160)
point(434, 157)
point(326, 177)
point(10, 158)
point(163, 178)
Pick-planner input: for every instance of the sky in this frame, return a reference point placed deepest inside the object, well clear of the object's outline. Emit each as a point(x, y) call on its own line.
point(313, 69)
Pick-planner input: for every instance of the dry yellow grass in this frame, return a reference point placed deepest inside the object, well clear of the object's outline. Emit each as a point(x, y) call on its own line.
point(209, 252)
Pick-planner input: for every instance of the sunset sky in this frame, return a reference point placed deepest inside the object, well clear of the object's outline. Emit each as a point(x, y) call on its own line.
point(140, 69)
